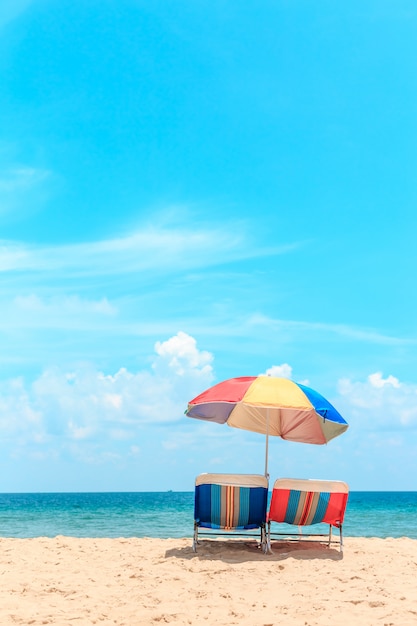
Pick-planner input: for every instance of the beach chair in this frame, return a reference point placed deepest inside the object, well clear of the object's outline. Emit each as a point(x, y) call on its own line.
point(304, 503)
point(230, 504)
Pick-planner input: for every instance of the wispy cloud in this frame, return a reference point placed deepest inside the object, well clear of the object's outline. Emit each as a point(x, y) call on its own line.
point(33, 311)
point(68, 306)
point(144, 250)
point(21, 178)
point(11, 9)
point(342, 330)
point(17, 183)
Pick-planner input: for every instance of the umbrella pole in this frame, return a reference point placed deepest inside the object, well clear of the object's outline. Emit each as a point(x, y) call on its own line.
point(267, 444)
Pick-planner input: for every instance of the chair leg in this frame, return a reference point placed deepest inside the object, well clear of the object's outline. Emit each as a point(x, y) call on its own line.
point(268, 549)
point(195, 537)
point(263, 539)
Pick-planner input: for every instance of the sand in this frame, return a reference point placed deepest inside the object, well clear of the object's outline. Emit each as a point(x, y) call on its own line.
point(68, 581)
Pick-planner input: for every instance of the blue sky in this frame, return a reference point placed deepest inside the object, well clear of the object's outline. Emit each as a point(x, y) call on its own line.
point(193, 191)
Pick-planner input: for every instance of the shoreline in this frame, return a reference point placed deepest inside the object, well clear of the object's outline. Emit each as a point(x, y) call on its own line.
point(129, 581)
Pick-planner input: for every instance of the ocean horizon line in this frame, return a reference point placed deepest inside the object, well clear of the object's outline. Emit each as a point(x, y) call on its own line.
point(175, 491)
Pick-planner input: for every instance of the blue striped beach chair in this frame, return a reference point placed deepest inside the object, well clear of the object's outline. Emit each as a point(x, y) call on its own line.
point(304, 503)
point(230, 504)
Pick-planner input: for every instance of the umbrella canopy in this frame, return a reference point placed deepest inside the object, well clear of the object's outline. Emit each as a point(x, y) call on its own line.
point(270, 406)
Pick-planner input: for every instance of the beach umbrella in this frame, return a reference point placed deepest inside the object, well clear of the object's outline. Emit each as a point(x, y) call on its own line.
point(270, 406)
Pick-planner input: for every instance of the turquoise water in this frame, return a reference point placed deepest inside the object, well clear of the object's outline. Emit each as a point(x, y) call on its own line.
point(170, 514)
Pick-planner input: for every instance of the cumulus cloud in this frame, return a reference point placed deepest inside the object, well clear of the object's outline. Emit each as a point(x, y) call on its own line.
point(280, 371)
point(89, 405)
point(180, 354)
point(376, 380)
point(380, 402)
point(18, 415)
point(99, 417)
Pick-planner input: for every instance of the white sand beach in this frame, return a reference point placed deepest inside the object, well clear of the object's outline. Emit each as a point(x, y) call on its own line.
point(69, 581)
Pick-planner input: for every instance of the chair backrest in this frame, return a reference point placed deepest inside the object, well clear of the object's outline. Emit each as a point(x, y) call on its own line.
point(230, 501)
point(306, 502)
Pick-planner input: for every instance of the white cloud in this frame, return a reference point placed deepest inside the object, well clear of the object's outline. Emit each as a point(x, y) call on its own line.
point(47, 314)
point(21, 178)
point(33, 311)
point(341, 330)
point(180, 353)
point(280, 371)
point(377, 381)
point(88, 405)
point(147, 249)
point(13, 256)
point(11, 9)
point(97, 417)
point(17, 183)
point(379, 402)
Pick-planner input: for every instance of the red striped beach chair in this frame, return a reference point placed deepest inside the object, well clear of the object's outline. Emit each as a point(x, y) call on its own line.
point(232, 504)
point(304, 503)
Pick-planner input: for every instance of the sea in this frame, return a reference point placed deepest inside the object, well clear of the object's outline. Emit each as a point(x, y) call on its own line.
point(169, 514)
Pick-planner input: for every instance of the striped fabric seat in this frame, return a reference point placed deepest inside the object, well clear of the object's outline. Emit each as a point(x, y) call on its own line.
point(230, 502)
point(308, 502)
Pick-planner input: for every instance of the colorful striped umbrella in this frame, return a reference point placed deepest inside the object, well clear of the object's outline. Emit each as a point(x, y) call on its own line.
point(270, 406)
